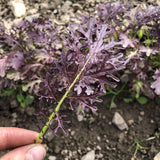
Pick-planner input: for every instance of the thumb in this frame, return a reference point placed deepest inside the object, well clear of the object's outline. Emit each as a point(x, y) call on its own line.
point(29, 152)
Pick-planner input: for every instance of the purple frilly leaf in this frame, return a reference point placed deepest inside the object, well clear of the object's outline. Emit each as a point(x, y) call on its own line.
point(32, 85)
point(110, 12)
point(156, 84)
point(60, 124)
point(16, 60)
point(128, 42)
point(148, 51)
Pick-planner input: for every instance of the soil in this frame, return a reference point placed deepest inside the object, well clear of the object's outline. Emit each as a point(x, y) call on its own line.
point(96, 131)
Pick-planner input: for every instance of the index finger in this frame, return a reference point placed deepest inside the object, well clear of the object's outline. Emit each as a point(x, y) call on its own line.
point(11, 137)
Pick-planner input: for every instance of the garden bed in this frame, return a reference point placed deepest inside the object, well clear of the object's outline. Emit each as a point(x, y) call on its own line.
point(95, 132)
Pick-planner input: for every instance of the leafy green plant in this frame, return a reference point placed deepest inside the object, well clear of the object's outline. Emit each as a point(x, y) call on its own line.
point(138, 146)
point(24, 100)
point(21, 98)
point(115, 92)
point(140, 99)
point(6, 92)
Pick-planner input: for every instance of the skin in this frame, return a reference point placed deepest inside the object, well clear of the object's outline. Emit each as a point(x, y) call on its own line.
point(20, 139)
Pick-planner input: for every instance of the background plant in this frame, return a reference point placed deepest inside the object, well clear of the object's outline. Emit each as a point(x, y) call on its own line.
point(23, 98)
point(138, 146)
point(139, 28)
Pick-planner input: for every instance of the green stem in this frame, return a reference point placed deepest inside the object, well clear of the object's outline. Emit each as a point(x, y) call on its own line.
point(112, 100)
point(61, 101)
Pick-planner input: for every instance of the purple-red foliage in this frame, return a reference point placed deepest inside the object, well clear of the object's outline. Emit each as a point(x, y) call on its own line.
point(156, 84)
point(31, 48)
point(81, 40)
point(137, 50)
point(91, 36)
point(35, 60)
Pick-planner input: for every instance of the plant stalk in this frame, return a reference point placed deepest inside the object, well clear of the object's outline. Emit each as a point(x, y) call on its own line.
point(53, 114)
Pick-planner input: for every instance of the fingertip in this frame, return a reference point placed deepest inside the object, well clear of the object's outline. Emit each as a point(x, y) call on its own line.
point(13, 137)
point(29, 152)
point(36, 152)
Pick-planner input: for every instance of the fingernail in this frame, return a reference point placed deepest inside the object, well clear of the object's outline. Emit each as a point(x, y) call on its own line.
point(36, 153)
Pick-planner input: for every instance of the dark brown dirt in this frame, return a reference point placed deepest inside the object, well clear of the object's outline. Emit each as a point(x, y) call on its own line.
point(96, 132)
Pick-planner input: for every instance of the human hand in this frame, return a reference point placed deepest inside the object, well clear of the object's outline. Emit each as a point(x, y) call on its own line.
point(11, 137)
